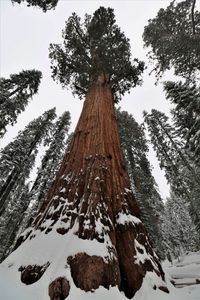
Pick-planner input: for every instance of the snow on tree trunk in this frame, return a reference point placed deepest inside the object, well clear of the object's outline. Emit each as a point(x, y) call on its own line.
point(88, 229)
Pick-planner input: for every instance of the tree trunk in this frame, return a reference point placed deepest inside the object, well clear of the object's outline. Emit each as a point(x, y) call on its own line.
point(91, 194)
point(7, 187)
point(192, 17)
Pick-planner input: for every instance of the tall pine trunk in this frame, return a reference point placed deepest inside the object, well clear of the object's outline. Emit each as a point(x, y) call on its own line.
point(7, 187)
point(91, 195)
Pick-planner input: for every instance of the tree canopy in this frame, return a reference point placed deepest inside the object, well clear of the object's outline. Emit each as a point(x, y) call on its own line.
point(186, 112)
point(18, 157)
point(92, 47)
point(14, 95)
point(174, 38)
point(43, 4)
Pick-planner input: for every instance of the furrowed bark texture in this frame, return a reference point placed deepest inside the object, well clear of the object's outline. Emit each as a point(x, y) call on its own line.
point(92, 191)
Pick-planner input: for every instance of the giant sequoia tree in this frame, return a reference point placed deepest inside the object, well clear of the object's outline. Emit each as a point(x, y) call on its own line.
point(88, 232)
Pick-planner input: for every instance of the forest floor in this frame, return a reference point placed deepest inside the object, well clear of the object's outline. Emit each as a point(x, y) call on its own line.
point(184, 273)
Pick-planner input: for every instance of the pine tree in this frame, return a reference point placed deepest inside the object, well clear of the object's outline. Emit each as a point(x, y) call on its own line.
point(18, 157)
point(90, 201)
point(12, 218)
point(173, 36)
point(14, 95)
point(179, 231)
point(43, 4)
point(176, 162)
point(134, 145)
point(49, 165)
point(22, 196)
point(186, 112)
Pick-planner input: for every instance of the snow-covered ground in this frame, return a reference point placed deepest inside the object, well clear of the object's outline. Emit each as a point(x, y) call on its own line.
point(185, 272)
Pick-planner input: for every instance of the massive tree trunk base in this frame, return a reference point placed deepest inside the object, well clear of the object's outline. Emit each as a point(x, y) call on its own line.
point(84, 265)
point(88, 231)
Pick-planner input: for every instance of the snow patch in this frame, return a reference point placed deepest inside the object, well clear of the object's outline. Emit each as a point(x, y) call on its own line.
point(123, 219)
point(128, 190)
point(141, 254)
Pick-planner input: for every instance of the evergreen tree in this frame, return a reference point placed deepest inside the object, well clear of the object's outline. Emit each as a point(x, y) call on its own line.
point(179, 232)
point(49, 165)
point(18, 157)
point(18, 211)
point(14, 95)
point(43, 4)
point(91, 48)
point(12, 218)
point(186, 114)
point(174, 38)
point(134, 145)
point(177, 163)
point(90, 201)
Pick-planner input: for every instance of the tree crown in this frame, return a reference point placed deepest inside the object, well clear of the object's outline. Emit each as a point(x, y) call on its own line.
point(91, 48)
point(43, 4)
point(25, 83)
point(174, 38)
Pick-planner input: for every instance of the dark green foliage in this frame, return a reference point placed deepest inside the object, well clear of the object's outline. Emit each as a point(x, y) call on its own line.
point(186, 114)
point(14, 95)
point(18, 157)
point(91, 48)
point(134, 145)
point(174, 38)
point(43, 4)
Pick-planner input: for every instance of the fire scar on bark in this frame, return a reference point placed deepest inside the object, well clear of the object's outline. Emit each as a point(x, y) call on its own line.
point(89, 272)
point(59, 289)
point(32, 273)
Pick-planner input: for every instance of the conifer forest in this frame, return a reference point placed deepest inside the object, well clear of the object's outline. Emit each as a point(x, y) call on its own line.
point(100, 150)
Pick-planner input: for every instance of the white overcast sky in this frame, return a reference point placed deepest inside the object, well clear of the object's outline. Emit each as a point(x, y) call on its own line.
point(26, 33)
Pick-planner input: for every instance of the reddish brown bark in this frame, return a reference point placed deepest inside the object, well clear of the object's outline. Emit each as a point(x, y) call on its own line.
point(92, 186)
point(89, 272)
point(59, 289)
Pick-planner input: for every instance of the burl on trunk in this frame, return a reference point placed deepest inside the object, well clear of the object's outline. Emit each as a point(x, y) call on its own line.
point(92, 193)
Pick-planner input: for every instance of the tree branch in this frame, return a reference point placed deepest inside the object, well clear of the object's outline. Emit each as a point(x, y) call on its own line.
point(82, 90)
point(84, 41)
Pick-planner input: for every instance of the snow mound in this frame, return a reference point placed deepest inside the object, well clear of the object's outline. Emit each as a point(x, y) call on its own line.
point(12, 288)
